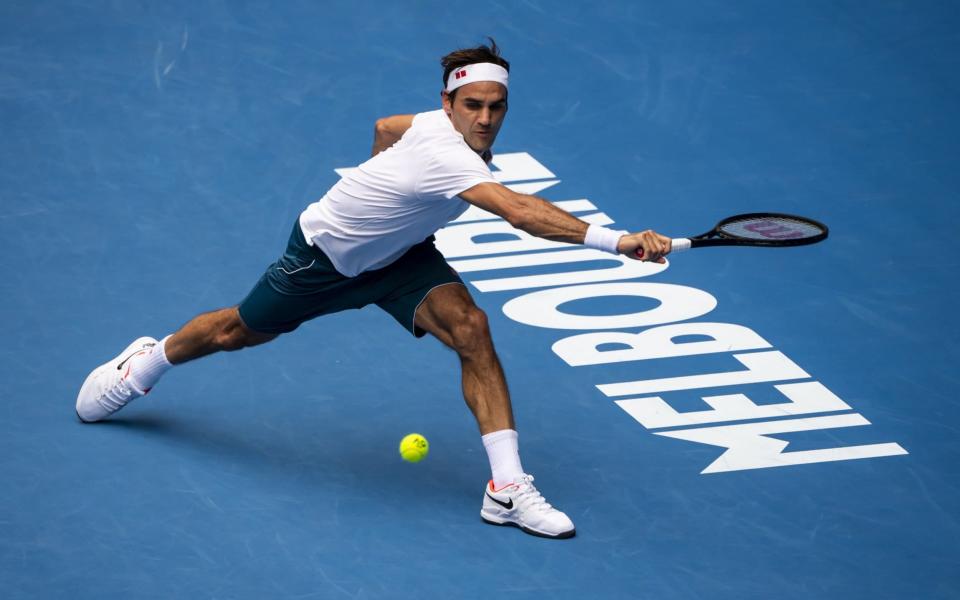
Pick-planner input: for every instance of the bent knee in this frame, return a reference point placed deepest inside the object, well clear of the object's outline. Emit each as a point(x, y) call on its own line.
point(471, 333)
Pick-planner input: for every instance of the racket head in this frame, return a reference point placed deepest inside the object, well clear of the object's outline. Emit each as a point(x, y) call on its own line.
point(767, 229)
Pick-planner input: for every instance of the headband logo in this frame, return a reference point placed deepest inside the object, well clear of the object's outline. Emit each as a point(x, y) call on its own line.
point(460, 74)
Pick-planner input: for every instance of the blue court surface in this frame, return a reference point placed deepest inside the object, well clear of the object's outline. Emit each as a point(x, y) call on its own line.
point(746, 423)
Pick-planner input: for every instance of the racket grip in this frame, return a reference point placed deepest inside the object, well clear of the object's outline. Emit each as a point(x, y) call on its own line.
point(676, 245)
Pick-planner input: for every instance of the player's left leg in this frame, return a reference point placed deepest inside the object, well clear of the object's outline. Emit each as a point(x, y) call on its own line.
point(449, 313)
point(510, 498)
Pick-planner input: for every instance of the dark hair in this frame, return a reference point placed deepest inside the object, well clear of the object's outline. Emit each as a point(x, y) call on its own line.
point(469, 56)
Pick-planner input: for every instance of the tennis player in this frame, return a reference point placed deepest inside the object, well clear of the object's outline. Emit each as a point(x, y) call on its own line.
point(369, 240)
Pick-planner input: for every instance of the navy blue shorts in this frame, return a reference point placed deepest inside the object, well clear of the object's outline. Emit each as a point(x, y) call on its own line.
point(303, 284)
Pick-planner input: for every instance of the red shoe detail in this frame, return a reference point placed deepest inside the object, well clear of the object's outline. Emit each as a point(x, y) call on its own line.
point(493, 489)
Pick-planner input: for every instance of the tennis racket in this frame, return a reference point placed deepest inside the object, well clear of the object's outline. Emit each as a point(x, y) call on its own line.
point(755, 229)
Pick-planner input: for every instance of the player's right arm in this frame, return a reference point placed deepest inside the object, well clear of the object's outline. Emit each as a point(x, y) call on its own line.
point(541, 218)
point(388, 131)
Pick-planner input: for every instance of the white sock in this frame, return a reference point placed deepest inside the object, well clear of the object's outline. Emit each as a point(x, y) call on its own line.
point(147, 368)
point(504, 455)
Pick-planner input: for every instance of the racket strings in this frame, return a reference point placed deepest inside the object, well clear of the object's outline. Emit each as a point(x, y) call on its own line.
point(770, 228)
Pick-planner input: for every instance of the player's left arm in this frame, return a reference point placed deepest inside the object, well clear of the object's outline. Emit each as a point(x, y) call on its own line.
point(388, 131)
point(541, 218)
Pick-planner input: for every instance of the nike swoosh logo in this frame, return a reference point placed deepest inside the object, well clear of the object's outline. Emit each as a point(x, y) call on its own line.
point(124, 361)
point(507, 505)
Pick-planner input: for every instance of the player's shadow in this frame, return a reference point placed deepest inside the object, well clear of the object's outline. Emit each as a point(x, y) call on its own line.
point(317, 459)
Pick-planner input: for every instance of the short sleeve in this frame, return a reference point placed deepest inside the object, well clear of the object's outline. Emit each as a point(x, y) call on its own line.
point(452, 170)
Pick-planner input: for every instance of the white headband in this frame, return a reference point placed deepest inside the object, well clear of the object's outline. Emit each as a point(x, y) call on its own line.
point(476, 72)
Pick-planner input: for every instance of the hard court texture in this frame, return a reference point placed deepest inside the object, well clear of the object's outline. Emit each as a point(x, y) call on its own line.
point(153, 157)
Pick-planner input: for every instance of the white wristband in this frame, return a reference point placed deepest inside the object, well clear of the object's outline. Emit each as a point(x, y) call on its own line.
point(601, 238)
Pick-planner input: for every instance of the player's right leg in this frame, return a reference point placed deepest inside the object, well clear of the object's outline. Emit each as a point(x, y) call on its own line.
point(135, 371)
point(301, 285)
point(217, 331)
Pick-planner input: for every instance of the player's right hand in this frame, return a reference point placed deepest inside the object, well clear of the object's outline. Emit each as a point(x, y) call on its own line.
point(647, 245)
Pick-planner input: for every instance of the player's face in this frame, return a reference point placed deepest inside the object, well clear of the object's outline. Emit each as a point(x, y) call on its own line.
point(477, 112)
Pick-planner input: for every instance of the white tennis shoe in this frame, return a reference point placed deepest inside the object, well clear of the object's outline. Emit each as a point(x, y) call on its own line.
point(108, 387)
point(520, 504)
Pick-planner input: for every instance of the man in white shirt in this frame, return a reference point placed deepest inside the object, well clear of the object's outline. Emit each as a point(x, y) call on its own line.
point(369, 240)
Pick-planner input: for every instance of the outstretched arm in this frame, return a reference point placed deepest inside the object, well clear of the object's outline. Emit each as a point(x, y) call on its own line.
point(388, 131)
point(538, 217)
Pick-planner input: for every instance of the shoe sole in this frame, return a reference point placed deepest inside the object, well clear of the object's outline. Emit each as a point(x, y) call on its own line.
point(558, 536)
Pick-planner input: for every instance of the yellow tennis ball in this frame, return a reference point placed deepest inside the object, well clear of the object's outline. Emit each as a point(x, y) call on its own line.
point(414, 447)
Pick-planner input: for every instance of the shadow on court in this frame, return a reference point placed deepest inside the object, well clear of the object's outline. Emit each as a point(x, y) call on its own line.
point(313, 461)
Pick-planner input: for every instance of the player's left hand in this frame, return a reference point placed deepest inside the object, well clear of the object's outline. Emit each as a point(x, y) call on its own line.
point(647, 245)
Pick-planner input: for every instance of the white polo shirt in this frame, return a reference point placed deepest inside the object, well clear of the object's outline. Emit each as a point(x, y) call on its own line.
point(396, 199)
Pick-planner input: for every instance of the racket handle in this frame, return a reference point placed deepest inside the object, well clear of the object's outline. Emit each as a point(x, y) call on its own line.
point(676, 245)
